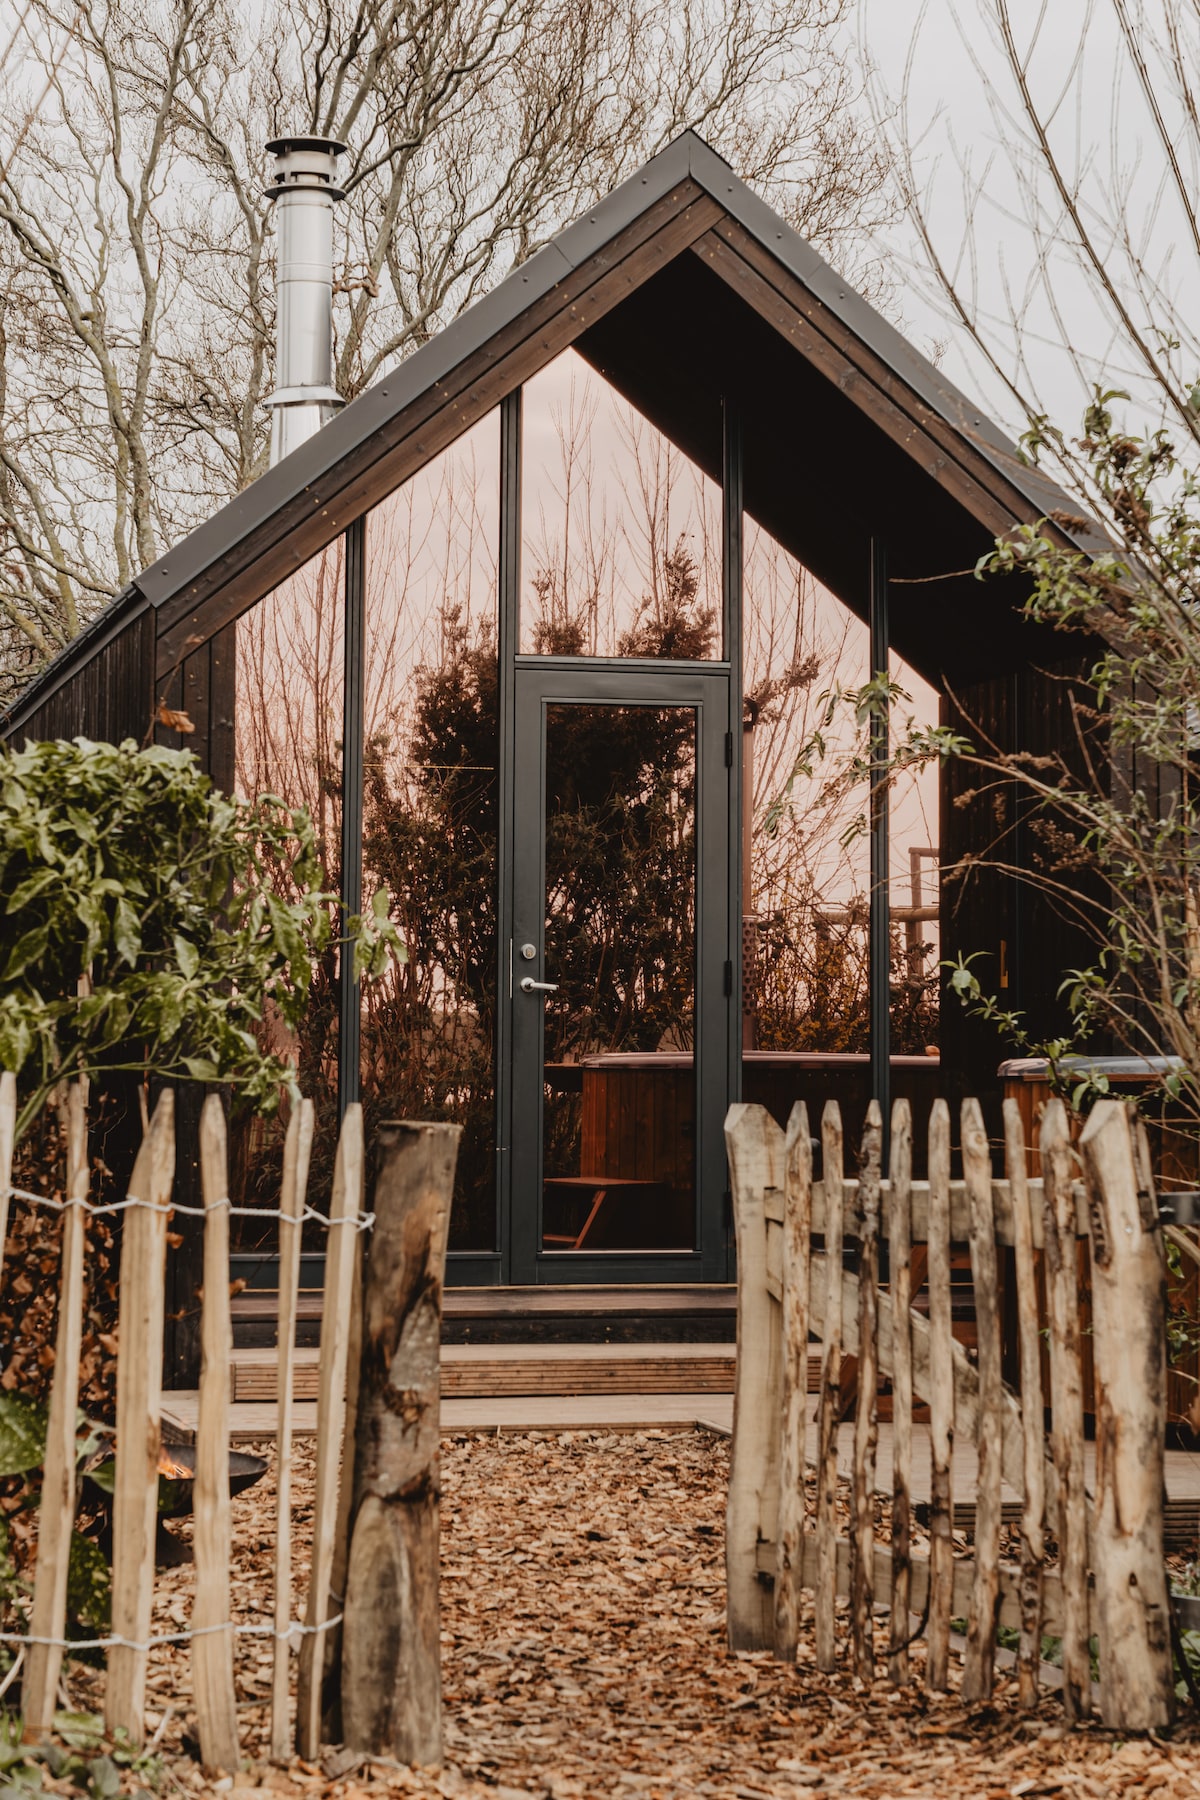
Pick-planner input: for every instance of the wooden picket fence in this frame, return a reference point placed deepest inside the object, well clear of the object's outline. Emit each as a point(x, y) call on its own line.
point(401, 1289)
point(1107, 1581)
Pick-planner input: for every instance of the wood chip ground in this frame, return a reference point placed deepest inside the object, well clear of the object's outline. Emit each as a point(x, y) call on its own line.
point(584, 1655)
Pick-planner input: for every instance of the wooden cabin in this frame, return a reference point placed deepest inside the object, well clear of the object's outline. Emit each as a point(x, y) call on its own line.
point(506, 625)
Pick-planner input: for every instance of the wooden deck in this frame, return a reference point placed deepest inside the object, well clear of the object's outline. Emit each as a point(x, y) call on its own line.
point(570, 1313)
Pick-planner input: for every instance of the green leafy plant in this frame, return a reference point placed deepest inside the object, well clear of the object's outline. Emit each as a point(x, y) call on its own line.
point(80, 1753)
point(128, 873)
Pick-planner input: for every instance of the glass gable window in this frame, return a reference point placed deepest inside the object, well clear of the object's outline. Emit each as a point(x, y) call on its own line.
point(431, 809)
point(620, 532)
point(288, 733)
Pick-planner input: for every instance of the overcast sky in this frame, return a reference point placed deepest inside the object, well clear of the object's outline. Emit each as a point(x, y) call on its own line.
point(1098, 124)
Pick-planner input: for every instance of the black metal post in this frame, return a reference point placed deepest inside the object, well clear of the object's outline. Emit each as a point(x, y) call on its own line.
point(739, 837)
point(508, 643)
point(349, 998)
point(880, 912)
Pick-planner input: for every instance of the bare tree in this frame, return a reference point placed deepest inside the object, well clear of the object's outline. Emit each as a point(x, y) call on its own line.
point(135, 255)
point(1081, 262)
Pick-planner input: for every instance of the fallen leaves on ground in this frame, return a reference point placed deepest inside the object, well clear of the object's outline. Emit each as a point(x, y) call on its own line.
point(584, 1656)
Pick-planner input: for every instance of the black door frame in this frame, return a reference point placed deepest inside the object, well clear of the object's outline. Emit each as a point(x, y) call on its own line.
point(539, 683)
point(716, 1261)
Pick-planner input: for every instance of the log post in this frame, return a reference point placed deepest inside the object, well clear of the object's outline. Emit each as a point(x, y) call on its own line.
point(980, 1661)
point(825, 1593)
point(8, 1135)
point(297, 1153)
point(900, 1278)
point(1066, 1399)
point(866, 1411)
point(212, 1648)
point(139, 1419)
point(797, 1255)
point(755, 1147)
point(941, 1403)
point(1033, 1508)
point(1129, 1318)
point(56, 1516)
point(341, 1268)
point(391, 1667)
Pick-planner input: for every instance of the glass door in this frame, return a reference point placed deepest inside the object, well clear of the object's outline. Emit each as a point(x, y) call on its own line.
point(619, 974)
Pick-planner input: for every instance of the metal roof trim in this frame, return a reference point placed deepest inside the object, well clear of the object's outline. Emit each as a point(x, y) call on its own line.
point(313, 470)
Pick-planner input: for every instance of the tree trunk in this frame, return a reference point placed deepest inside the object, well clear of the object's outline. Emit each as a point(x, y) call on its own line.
point(391, 1671)
point(1129, 1318)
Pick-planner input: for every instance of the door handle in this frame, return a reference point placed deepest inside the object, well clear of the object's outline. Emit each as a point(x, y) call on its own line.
point(530, 986)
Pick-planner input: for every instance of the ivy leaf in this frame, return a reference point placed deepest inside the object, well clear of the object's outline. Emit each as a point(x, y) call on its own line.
point(127, 933)
point(89, 1583)
point(186, 955)
point(22, 1434)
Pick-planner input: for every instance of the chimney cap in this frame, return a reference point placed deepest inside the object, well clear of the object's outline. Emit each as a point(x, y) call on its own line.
point(298, 141)
point(304, 162)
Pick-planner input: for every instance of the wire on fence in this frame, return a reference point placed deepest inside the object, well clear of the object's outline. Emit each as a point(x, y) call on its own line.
point(363, 1221)
point(295, 1631)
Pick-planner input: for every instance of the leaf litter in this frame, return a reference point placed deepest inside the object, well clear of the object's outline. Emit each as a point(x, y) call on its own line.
point(584, 1655)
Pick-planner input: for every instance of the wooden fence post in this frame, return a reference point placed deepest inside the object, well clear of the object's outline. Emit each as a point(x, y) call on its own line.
point(797, 1254)
point(341, 1265)
point(866, 1410)
point(941, 1403)
point(212, 1649)
point(8, 1136)
point(1129, 1318)
point(1066, 1389)
point(297, 1153)
point(755, 1146)
point(1033, 1507)
point(825, 1592)
point(900, 1281)
point(56, 1515)
point(139, 1419)
point(980, 1661)
point(391, 1660)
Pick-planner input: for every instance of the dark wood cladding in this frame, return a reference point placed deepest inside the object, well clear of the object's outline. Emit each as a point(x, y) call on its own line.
point(1025, 934)
point(205, 688)
point(940, 448)
point(407, 442)
point(108, 698)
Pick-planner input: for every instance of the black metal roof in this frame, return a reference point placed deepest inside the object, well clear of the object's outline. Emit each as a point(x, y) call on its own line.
point(317, 477)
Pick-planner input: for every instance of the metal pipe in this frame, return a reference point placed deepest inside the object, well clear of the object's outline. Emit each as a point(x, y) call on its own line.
point(304, 193)
point(880, 908)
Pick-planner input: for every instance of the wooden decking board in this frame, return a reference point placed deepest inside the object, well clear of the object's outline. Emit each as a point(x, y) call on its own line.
point(568, 1301)
point(253, 1421)
point(475, 1371)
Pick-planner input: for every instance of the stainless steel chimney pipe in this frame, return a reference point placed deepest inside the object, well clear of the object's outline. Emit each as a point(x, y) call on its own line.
point(304, 193)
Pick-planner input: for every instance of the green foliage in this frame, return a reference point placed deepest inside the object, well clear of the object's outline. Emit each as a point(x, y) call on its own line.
point(128, 868)
point(89, 1583)
point(22, 1434)
point(81, 1753)
point(1110, 818)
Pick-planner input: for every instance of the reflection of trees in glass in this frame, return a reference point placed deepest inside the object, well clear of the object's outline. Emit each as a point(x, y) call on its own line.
point(805, 973)
point(431, 814)
point(430, 833)
point(613, 513)
point(288, 742)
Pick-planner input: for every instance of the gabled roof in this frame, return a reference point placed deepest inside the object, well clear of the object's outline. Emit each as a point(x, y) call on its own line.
point(680, 285)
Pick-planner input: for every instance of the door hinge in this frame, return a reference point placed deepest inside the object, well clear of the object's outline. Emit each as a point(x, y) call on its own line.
point(729, 749)
point(728, 979)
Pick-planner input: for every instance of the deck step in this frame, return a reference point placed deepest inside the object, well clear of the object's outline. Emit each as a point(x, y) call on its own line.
point(691, 1313)
point(492, 1371)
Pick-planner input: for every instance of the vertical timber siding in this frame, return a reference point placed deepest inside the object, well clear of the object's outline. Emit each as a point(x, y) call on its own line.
point(109, 697)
